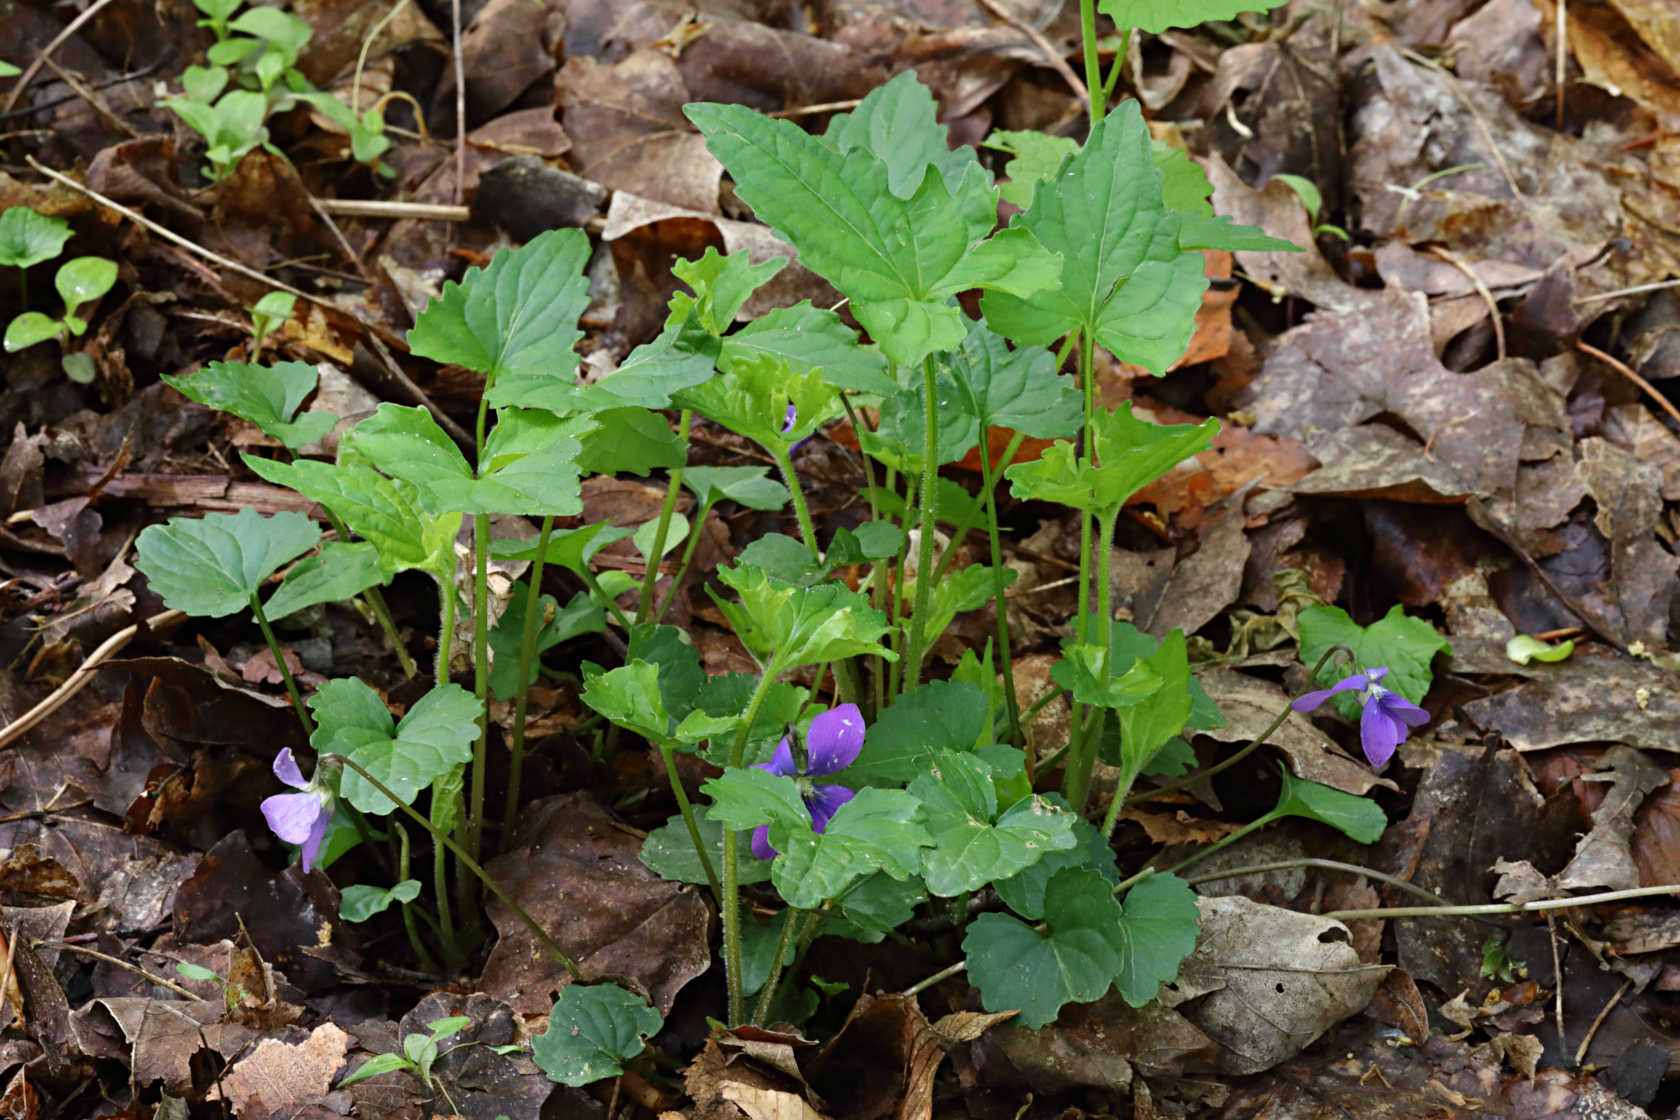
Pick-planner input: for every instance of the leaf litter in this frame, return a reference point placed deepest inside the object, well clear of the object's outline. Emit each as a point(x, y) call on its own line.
point(1418, 411)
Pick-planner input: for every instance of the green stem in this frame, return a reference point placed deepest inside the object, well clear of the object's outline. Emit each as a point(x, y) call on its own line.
point(673, 491)
point(446, 626)
point(441, 795)
point(481, 685)
point(1093, 64)
point(930, 510)
point(732, 854)
point(1082, 758)
point(280, 660)
point(895, 616)
point(687, 811)
point(682, 565)
point(768, 993)
point(988, 483)
point(376, 603)
point(595, 589)
point(807, 530)
point(527, 656)
point(421, 953)
point(1224, 841)
point(441, 838)
point(1119, 66)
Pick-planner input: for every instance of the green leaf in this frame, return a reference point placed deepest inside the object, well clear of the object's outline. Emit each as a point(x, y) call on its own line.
point(1036, 158)
point(746, 486)
point(728, 695)
point(211, 566)
point(969, 849)
point(630, 696)
point(572, 549)
point(1073, 961)
point(784, 559)
point(676, 531)
point(555, 625)
point(517, 316)
point(964, 589)
point(281, 29)
point(1157, 930)
point(1017, 389)
point(275, 305)
point(721, 285)
point(645, 379)
point(28, 329)
point(746, 797)
point(897, 259)
point(1024, 891)
point(630, 440)
point(374, 1066)
point(669, 852)
point(801, 625)
point(1131, 453)
point(1124, 278)
point(1155, 16)
point(196, 971)
point(1185, 188)
point(1358, 817)
point(1525, 648)
point(875, 906)
point(810, 338)
point(592, 1029)
point(360, 902)
point(1405, 645)
point(267, 396)
point(874, 831)
point(900, 438)
point(1147, 727)
point(682, 679)
point(906, 738)
point(83, 279)
point(340, 571)
point(385, 511)
point(28, 238)
point(1080, 671)
point(898, 123)
point(435, 737)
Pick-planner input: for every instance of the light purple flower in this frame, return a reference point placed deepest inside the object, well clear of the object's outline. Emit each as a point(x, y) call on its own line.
point(298, 818)
point(832, 744)
point(1387, 716)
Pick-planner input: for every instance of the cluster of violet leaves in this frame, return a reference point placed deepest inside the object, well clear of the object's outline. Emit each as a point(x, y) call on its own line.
point(929, 794)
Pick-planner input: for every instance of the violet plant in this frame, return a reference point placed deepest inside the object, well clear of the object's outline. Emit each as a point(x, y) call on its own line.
point(928, 795)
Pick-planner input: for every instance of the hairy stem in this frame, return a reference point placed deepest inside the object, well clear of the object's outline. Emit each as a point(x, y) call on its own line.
point(930, 510)
point(280, 661)
point(687, 811)
point(732, 854)
point(527, 656)
point(673, 490)
point(767, 994)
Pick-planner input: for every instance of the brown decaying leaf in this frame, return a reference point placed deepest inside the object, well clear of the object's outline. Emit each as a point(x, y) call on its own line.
point(277, 1076)
point(1603, 859)
point(579, 877)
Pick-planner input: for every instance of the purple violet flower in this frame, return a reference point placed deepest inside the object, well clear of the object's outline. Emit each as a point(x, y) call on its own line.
point(298, 818)
point(833, 743)
point(1386, 719)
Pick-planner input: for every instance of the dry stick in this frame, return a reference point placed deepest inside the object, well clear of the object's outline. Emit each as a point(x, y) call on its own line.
point(1540, 906)
point(460, 102)
point(1637, 289)
point(1598, 1020)
point(28, 75)
point(1562, 61)
point(118, 962)
point(414, 392)
point(83, 674)
point(1057, 62)
point(1459, 263)
point(1626, 371)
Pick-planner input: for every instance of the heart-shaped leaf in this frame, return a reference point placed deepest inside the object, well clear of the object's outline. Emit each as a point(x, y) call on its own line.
point(267, 396)
point(211, 566)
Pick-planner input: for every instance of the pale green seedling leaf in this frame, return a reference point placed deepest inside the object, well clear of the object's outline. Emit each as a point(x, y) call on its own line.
point(898, 123)
point(721, 285)
point(29, 328)
point(1155, 16)
point(592, 1030)
point(196, 971)
point(82, 279)
point(1017, 389)
point(433, 739)
point(676, 531)
point(752, 399)
point(385, 511)
point(280, 29)
point(340, 571)
point(1074, 960)
point(1525, 648)
point(516, 316)
point(1131, 453)
point(374, 1066)
point(7, 70)
point(669, 853)
point(972, 844)
point(1358, 817)
point(28, 238)
point(362, 901)
point(1404, 644)
point(212, 565)
point(267, 396)
point(810, 338)
point(1306, 190)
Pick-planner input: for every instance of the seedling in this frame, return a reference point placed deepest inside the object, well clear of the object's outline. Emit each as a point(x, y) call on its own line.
point(270, 311)
point(80, 281)
point(1308, 192)
point(28, 238)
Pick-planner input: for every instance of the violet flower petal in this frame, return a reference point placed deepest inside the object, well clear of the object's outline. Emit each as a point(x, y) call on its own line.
point(761, 848)
point(835, 740)
point(311, 845)
point(1380, 734)
point(824, 802)
point(286, 769)
point(292, 816)
point(1356, 683)
point(781, 762)
point(1401, 708)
